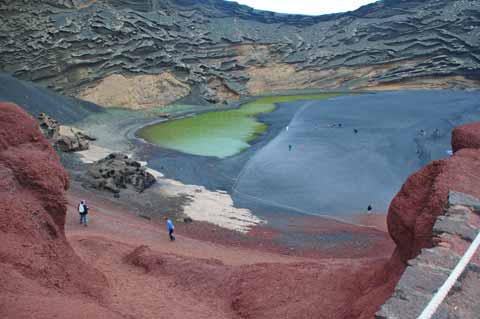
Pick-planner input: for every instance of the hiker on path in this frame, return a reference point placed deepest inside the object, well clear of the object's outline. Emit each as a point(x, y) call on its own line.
point(83, 211)
point(170, 228)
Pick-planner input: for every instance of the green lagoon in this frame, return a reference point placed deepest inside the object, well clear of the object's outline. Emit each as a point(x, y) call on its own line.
point(219, 133)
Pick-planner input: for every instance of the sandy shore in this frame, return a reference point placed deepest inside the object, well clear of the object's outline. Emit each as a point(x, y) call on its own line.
point(215, 207)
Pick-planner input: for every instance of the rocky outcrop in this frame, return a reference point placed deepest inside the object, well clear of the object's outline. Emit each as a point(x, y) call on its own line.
point(466, 136)
point(35, 259)
point(221, 50)
point(433, 222)
point(117, 172)
point(453, 232)
point(423, 197)
point(48, 125)
point(63, 138)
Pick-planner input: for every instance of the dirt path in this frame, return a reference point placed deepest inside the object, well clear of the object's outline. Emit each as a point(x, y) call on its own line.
point(113, 223)
point(191, 278)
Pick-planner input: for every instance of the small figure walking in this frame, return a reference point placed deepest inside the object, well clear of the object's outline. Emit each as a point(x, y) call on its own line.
point(355, 131)
point(170, 228)
point(289, 147)
point(369, 209)
point(83, 211)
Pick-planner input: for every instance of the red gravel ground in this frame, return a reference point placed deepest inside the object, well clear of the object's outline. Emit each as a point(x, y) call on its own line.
point(191, 278)
point(123, 266)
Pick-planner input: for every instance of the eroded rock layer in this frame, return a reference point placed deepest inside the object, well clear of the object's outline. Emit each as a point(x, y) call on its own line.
point(221, 50)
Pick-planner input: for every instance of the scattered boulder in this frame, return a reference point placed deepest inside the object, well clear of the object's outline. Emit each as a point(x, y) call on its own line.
point(71, 139)
point(116, 172)
point(466, 136)
point(48, 125)
point(63, 138)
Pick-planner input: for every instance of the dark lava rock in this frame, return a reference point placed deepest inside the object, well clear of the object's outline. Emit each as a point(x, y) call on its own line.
point(72, 45)
point(117, 172)
point(63, 138)
point(48, 125)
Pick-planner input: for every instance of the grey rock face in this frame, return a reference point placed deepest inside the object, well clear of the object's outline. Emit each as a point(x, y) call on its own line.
point(71, 44)
point(63, 138)
point(428, 271)
point(457, 198)
point(117, 172)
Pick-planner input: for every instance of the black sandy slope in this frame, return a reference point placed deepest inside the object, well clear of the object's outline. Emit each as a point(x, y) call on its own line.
point(35, 100)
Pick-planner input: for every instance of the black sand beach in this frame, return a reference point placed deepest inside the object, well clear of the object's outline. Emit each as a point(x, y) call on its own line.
point(331, 170)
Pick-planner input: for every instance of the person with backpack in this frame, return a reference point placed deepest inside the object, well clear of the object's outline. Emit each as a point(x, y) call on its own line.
point(170, 228)
point(83, 211)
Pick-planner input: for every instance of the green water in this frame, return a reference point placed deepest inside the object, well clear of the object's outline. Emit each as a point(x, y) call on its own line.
point(221, 133)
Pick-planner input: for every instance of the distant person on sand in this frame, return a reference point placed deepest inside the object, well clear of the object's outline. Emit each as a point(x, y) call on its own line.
point(83, 211)
point(369, 209)
point(170, 228)
point(289, 147)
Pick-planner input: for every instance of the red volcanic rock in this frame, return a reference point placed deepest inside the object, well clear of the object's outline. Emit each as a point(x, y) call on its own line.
point(327, 289)
point(424, 196)
point(34, 253)
point(466, 136)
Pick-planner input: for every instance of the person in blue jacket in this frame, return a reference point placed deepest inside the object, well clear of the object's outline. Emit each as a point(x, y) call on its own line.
point(170, 228)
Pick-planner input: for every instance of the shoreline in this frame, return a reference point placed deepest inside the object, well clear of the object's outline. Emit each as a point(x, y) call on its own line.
point(226, 209)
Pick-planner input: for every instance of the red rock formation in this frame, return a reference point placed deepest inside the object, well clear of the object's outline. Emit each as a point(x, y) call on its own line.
point(414, 209)
point(466, 136)
point(34, 254)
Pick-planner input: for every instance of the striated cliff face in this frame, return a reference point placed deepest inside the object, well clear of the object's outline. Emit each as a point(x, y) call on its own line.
point(161, 51)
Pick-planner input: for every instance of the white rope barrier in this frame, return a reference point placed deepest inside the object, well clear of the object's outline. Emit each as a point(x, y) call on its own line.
point(442, 293)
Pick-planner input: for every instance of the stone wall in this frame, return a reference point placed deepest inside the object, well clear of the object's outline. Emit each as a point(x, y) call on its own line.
point(453, 233)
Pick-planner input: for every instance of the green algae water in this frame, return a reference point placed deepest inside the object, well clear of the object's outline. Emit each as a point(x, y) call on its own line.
point(219, 133)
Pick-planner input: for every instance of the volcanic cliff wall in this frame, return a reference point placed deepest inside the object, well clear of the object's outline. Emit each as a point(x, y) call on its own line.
point(40, 275)
point(151, 52)
point(433, 220)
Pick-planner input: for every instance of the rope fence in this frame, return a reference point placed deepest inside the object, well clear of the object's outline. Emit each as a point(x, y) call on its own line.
point(442, 293)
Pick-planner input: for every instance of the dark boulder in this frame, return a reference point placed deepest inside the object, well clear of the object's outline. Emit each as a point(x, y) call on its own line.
point(116, 172)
